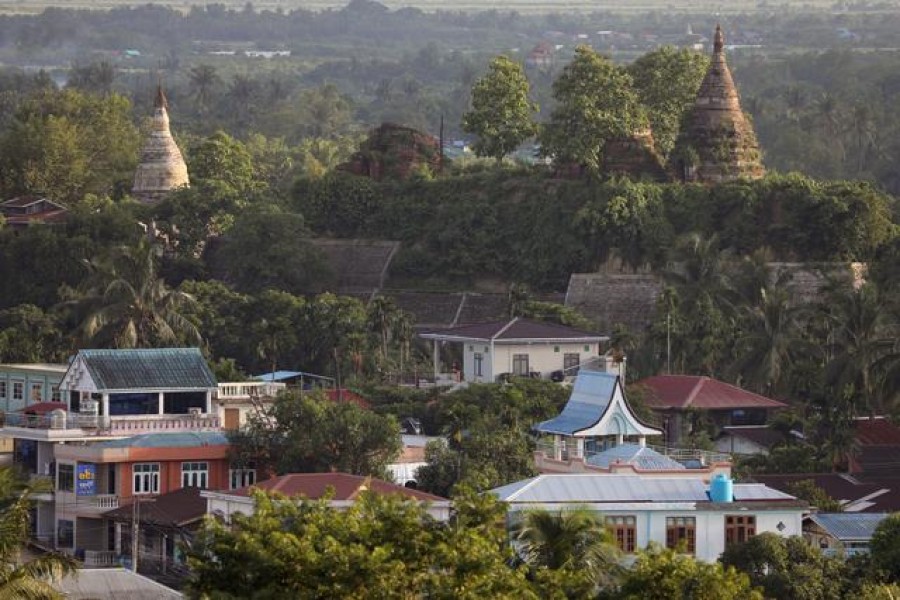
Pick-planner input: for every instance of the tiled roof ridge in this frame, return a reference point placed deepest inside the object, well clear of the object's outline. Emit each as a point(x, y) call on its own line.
point(698, 386)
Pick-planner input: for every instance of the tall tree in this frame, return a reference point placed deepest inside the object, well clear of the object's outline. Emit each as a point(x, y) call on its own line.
point(595, 102)
point(573, 540)
point(204, 78)
point(123, 303)
point(502, 115)
point(667, 81)
point(32, 578)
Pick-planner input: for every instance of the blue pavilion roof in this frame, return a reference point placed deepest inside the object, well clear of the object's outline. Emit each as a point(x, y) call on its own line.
point(591, 396)
point(640, 457)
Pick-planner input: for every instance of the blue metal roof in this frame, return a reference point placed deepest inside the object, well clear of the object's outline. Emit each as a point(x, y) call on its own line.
point(282, 375)
point(849, 526)
point(148, 368)
point(590, 399)
point(633, 454)
point(192, 439)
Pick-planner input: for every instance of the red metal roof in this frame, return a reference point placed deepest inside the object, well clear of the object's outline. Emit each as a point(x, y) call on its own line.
point(691, 391)
point(876, 432)
point(514, 329)
point(42, 408)
point(346, 486)
point(345, 395)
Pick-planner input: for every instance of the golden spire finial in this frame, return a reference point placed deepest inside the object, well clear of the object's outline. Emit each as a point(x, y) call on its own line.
point(719, 43)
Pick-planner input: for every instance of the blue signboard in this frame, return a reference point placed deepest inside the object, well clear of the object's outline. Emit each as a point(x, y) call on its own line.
point(86, 479)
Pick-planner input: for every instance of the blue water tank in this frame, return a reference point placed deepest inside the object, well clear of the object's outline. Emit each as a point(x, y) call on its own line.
point(721, 488)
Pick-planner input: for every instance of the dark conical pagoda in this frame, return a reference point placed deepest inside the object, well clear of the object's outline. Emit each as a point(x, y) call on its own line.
point(634, 157)
point(717, 142)
point(161, 168)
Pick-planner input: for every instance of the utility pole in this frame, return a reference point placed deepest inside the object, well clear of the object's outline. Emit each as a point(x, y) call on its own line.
point(135, 528)
point(669, 343)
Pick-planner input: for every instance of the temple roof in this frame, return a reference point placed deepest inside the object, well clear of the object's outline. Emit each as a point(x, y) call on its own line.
point(681, 392)
point(717, 130)
point(596, 407)
point(161, 168)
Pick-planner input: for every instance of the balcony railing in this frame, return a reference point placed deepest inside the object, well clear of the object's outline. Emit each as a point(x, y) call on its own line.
point(690, 457)
point(100, 558)
point(116, 425)
point(100, 501)
point(247, 389)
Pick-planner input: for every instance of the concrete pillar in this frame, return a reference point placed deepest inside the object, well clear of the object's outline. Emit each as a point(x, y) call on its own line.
point(208, 403)
point(642, 441)
point(165, 539)
point(104, 405)
point(620, 439)
point(557, 447)
point(118, 539)
point(579, 448)
point(160, 403)
point(436, 358)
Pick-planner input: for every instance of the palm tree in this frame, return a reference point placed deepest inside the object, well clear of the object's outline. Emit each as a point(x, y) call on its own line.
point(573, 539)
point(770, 341)
point(123, 303)
point(203, 78)
point(30, 579)
point(864, 353)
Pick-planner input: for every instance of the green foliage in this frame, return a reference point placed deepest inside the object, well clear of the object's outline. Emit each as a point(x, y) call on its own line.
point(486, 426)
point(816, 496)
point(314, 435)
point(29, 335)
point(595, 103)
point(667, 81)
point(788, 567)
point(271, 249)
point(29, 578)
point(65, 144)
point(573, 541)
point(123, 303)
point(885, 548)
point(664, 574)
point(502, 114)
point(308, 550)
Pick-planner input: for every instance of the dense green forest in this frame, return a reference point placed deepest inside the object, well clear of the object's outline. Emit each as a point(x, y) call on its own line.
point(231, 265)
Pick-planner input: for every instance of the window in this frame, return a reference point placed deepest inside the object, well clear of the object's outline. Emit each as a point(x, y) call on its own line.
point(65, 533)
point(239, 478)
point(479, 364)
point(624, 531)
point(520, 365)
point(65, 477)
point(18, 390)
point(194, 474)
point(681, 530)
point(37, 392)
point(739, 528)
point(2, 390)
point(146, 478)
point(571, 360)
point(55, 395)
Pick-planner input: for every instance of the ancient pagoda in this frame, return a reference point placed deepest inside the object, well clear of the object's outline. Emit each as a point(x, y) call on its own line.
point(161, 168)
point(717, 142)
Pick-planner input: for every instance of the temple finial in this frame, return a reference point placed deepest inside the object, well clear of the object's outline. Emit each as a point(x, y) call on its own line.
point(719, 43)
point(161, 101)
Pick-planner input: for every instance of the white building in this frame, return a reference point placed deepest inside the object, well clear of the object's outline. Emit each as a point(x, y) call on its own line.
point(670, 511)
point(517, 347)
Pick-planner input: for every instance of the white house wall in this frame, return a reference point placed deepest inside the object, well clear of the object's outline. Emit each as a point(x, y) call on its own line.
point(650, 523)
point(542, 357)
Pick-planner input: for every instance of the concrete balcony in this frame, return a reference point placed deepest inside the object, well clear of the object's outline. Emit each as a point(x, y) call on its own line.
point(62, 426)
point(243, 391)
point(87, 506)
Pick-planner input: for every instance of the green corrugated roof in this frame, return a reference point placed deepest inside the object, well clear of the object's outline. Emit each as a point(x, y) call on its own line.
point(191, 439)
point(148, 368)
